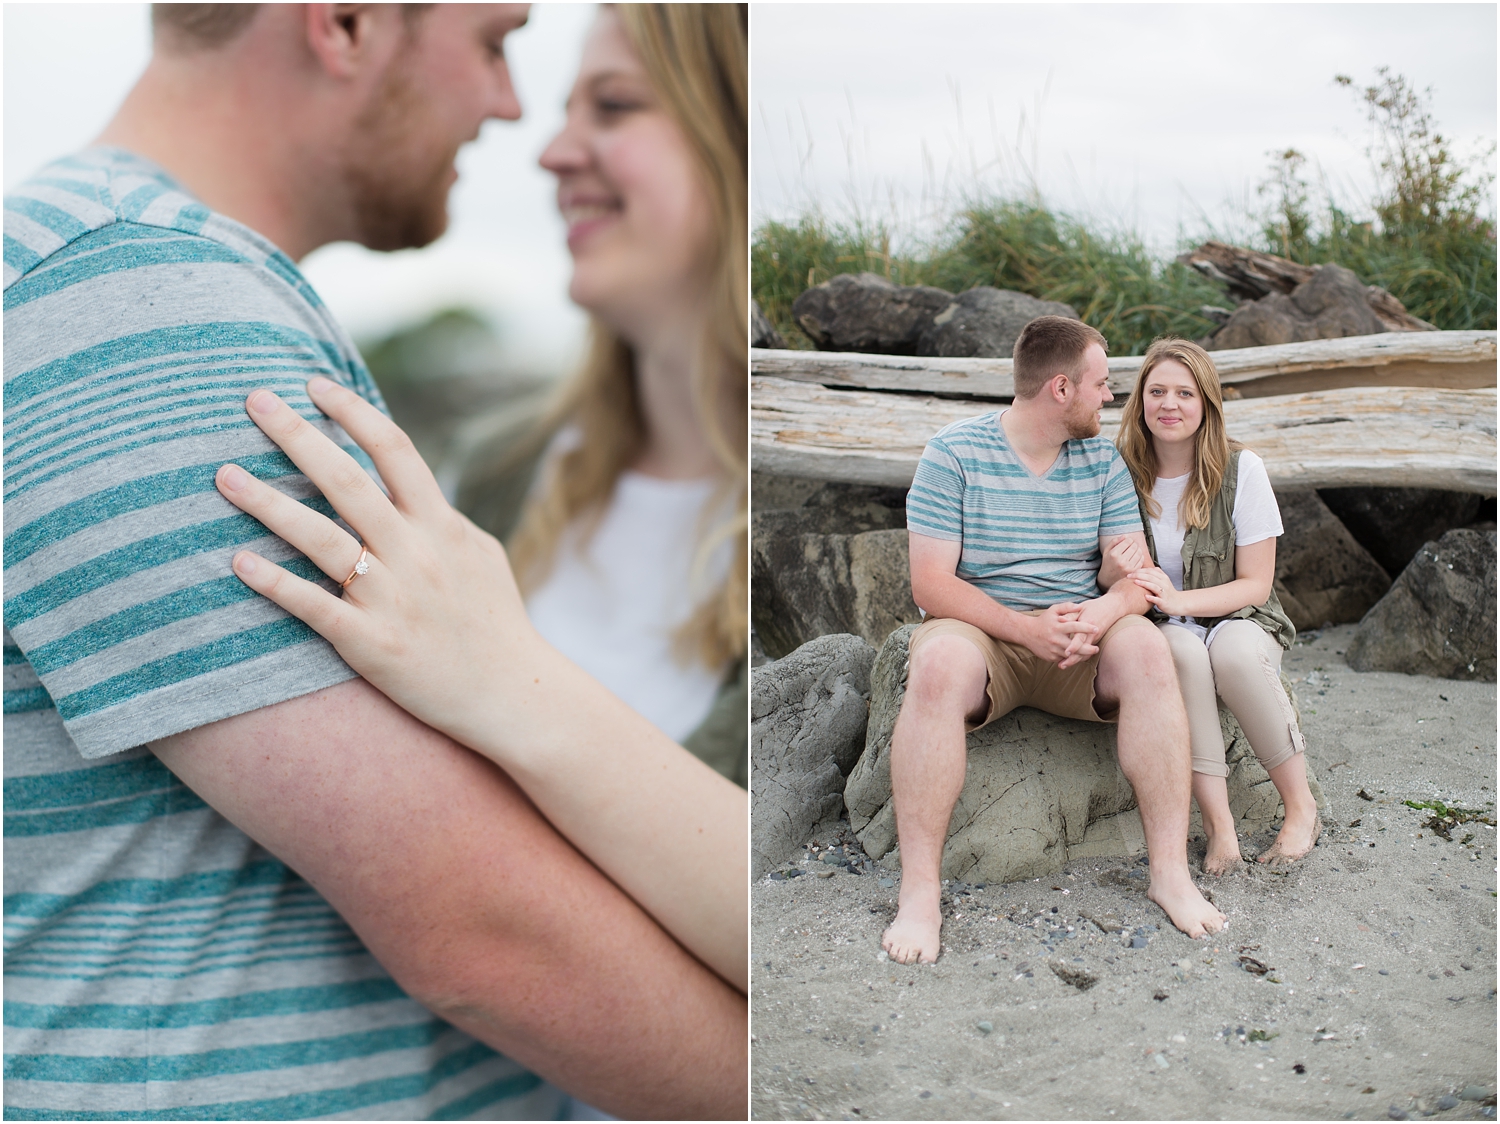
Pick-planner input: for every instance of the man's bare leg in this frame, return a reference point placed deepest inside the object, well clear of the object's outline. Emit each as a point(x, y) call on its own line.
point(1212, 795)
point(1301, 827)
point(945, 683)
point(1136, 674)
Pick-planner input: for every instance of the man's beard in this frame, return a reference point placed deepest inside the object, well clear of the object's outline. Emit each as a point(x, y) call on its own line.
point(1082, 425)
point(398, 186)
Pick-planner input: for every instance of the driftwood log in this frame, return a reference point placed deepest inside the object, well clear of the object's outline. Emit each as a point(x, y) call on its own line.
point(1250, 275)
point(1451, 360)
point(1395, 437)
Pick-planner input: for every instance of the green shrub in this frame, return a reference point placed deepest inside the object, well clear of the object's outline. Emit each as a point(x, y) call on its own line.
point(1425, 236)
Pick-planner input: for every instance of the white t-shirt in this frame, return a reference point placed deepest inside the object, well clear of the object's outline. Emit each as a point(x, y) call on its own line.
point(1256, 518)
point(612, 606)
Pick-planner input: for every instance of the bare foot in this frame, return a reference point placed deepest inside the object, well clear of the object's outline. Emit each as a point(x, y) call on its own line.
point(1296, 838)
point(1223, 854)
point(914, 936)
point(1185, 906)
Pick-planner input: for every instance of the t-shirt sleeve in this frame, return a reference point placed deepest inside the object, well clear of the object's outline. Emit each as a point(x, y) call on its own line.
point(935, 503)
point(1256, 514)
point(128, 357)
point(1121, 510)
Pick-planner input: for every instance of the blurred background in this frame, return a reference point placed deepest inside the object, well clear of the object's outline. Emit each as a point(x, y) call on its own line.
point(451, 332)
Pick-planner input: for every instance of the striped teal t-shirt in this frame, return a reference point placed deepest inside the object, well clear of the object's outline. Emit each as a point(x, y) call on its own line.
point(158, 963)
point(1028, 541)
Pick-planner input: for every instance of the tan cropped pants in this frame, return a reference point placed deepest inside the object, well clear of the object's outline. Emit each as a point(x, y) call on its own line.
point(1243, 667)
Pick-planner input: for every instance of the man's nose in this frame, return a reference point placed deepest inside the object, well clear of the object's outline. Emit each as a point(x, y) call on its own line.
point(504, 102)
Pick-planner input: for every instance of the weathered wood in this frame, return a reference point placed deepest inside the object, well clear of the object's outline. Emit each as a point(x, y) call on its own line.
point(1452, 360)
point(1250, 275)
point(1381, 437)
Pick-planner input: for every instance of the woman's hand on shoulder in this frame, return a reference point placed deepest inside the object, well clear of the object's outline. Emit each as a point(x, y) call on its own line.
point(1159, 590)
point(430, 613)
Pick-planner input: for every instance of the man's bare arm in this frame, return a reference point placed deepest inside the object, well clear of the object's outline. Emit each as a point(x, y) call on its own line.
point(472, 902)
point(937, 588)
point(1120, 555)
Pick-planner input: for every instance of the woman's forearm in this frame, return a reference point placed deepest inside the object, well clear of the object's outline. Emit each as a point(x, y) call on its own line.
point(1221, 600)
point(666, 828)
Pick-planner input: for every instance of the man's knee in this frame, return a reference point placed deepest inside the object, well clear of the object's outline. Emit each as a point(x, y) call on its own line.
point(1136, 643)
point(945, 671)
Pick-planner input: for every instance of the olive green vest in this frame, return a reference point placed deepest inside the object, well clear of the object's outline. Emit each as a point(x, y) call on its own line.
point(1208, 560)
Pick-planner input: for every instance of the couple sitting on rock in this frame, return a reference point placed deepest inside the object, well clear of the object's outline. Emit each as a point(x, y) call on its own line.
point(1018, 520)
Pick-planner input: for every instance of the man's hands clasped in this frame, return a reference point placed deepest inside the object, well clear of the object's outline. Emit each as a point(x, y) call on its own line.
point(1062, 634)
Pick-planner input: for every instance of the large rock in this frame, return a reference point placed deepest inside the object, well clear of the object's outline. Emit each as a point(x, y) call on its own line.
point(1394, 523)
point(807, 727)
point(1330, 304)
point(866, 312)
point(984, 322)
point(762, 332)
point(1322, 574)
point(1439, 617)
point(1039, 789)
point(805, 584)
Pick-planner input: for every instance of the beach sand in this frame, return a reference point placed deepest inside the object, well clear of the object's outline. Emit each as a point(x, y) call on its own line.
point(1377, 999)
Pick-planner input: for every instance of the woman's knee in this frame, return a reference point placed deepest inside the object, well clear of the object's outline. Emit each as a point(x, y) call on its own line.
point(1189, 655)
point(1243, 652)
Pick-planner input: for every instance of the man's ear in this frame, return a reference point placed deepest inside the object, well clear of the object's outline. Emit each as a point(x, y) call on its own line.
point(1060, 387)
point(342, 36)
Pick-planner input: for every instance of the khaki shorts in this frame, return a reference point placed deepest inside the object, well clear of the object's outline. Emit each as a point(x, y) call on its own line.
point(1020, 678)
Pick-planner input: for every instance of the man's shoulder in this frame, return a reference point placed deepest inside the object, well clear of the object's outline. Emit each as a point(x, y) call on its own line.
point(969, 440)
point(981, 427)
point(119, 211)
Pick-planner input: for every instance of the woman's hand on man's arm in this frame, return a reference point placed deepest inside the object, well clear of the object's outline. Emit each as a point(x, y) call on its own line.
point(437, 624)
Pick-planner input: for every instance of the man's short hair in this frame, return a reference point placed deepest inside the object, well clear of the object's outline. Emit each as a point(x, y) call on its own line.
point(1047, 346)
point(196, 27)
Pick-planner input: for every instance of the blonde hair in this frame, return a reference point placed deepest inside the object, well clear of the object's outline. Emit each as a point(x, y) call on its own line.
point(1211, 444)
point(695, 56)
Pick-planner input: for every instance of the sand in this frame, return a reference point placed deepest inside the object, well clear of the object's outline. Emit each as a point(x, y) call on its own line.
point(1378, 996)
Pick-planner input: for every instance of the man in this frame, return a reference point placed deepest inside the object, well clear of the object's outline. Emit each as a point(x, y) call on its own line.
point(1009, 517)
point(160, 963)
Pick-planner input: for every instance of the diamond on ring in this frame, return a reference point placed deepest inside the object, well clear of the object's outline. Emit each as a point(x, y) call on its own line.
point(360, 567)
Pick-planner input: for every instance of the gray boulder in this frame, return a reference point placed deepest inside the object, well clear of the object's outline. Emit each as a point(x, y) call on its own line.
point(984, 322)
point(1439, 617)
point(1332, 303)
point(1394, 523)
point(807, 727)
point(762, 332)
point(1039, 789)
point(1322, 574)
point(866, 312)
point(805, 584)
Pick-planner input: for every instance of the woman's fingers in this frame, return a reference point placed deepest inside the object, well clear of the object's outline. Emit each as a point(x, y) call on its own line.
point(320, 538)
point(405, 473)
point(326, 613)
point(347, 486)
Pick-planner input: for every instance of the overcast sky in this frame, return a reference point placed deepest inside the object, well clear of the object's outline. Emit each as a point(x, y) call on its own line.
point(67, 66)
point(1147, 114)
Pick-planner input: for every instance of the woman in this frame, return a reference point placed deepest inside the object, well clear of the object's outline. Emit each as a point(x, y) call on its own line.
point(631, 547)
point(1211, 524)
point(651, 173)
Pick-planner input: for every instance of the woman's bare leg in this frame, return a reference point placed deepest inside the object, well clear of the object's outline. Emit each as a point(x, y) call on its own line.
point(1212, 795)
